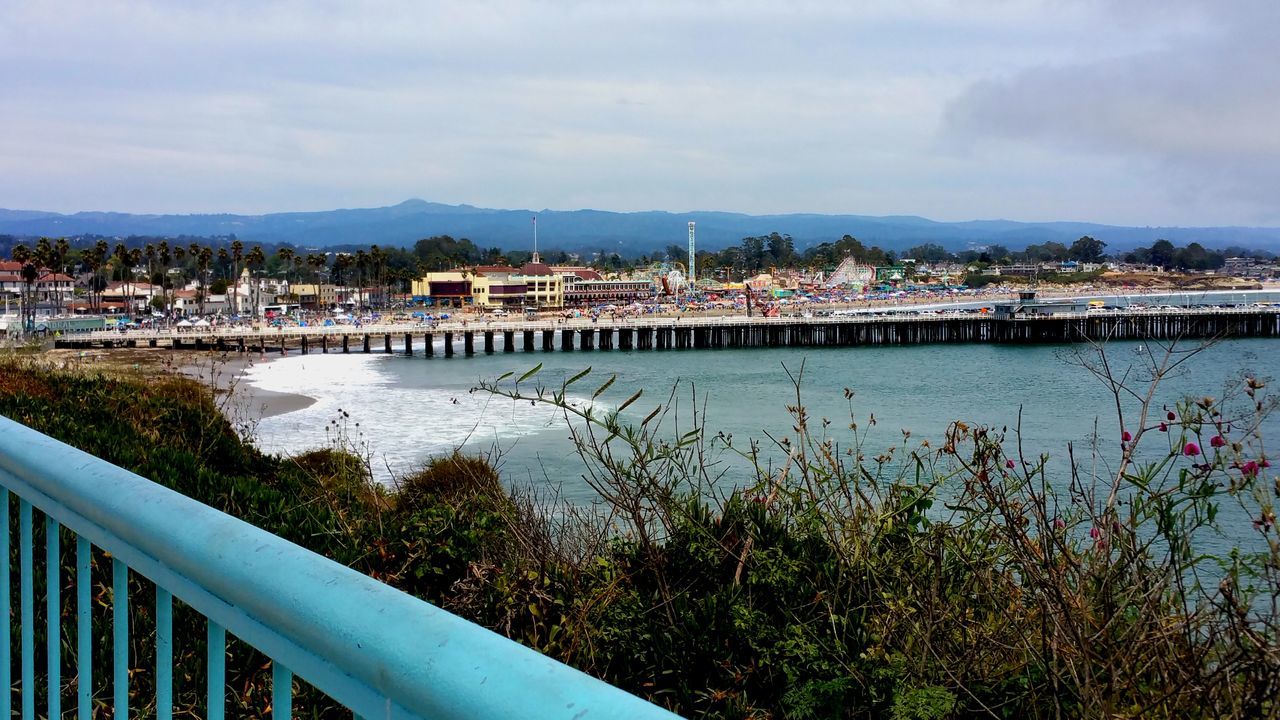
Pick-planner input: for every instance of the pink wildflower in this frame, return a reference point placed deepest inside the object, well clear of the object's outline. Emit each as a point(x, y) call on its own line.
point(1249, 469)
point(1164, 428)
point(1008, 464)
point(1058, 524)
point(1191, 449)
point(1125, 436)
point(1171, 416)
point(1217, 441)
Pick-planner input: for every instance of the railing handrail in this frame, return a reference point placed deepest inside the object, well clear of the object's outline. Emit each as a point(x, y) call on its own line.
point(375, 649)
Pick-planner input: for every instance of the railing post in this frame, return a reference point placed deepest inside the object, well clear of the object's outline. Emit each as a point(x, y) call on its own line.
point(27, 603)
point(217, 671)
point(53, 616)
point(281, 691)
point(84, 632)
point(120, 636)
point(164, 654)
point(6, 652)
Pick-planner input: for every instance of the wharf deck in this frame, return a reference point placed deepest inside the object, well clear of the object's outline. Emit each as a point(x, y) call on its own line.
point(706, 332)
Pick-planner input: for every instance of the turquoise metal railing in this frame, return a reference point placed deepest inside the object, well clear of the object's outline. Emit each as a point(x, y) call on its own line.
point(375, 650)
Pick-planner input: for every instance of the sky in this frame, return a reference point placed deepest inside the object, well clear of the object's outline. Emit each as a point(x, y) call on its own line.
point(1134, 112)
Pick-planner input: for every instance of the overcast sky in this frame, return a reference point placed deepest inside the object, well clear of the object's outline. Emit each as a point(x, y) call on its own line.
point(1138, 112)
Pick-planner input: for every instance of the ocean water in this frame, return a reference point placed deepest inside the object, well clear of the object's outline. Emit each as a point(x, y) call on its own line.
point(403, 410)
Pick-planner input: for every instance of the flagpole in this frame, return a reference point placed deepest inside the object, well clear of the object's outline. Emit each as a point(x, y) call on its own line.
point(535, 238)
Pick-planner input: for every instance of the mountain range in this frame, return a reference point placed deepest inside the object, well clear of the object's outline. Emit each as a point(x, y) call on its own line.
point(592, 230)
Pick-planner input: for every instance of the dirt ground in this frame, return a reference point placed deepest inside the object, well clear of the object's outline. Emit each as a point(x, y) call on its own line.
point(1175, 281)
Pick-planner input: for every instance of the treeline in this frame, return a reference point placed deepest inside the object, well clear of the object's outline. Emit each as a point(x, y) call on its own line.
point(216, 265)
point(1089, 250)
point(218, 261)
point(764, 252)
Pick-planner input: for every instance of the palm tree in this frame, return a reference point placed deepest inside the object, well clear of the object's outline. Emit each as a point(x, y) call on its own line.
point(165, 259)
point(237, 254)
point(103, 251)
point(286, 256)
point(135, 259)
point(92, 260)
point(61, 249)
point(362, 267)
point(149, 252)
point(121, 257)
point(22, 254)
point(224, 261)
point(43, 259)
point(179, 257)
point(255, 260)
point(317, 263)
point(378, 265)
point(341, 262)
point(204, 257)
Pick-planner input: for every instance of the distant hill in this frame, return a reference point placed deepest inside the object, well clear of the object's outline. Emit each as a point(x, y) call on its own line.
point(590, 230)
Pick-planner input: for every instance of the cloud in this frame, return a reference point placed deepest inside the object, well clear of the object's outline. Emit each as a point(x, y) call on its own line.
point(1196, 116)
point(750, 105)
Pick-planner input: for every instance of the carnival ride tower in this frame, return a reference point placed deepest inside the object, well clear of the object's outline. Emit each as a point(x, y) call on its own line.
point(693, 275)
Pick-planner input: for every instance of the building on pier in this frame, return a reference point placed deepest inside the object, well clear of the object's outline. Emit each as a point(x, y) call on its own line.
point(450, 288)
point(543, 288)
point(1028, 306)
point(496, 287)
point(618, 292)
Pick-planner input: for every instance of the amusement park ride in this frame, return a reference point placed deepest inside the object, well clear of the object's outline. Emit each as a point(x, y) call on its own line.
point(673, 280)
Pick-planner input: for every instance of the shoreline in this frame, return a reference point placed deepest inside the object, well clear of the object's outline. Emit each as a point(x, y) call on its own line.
point(228, 374)
point(238, 398)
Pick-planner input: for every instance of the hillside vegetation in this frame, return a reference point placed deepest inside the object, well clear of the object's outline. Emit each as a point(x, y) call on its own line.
point(918, 582)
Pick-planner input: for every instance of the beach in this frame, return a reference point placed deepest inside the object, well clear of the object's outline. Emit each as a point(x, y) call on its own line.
point(239, 399)
point(242, 398)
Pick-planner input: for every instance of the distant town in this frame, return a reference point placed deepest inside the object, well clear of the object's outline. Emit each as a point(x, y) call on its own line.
point(149, 280)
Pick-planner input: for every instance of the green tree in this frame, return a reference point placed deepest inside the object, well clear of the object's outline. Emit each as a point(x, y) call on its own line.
point(237, 255)
point(931, 253)
point(782, 249)
point(254, 261)
point(204, 259)
point(286, 255)
point(753, 254)
point(317, 263)
point(1163, 253)
point(1046, 252)
point(1088, 250)
point(165, 258)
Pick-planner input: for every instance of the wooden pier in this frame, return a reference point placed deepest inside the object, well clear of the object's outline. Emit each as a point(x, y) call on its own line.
point(705, 333)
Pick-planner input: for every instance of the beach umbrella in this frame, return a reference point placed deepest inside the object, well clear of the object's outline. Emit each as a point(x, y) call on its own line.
point(184, 323)
point(201, 323)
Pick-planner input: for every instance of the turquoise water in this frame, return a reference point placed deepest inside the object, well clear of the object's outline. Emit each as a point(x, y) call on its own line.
point(410, 408)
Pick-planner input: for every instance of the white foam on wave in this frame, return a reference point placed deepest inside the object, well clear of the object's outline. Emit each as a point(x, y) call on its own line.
point(360, 403)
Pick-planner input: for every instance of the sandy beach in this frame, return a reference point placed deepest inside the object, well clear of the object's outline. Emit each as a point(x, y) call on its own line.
point(238, 398)
point(251, 402)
